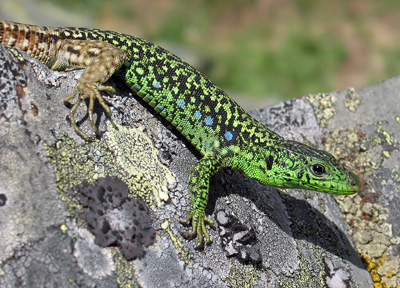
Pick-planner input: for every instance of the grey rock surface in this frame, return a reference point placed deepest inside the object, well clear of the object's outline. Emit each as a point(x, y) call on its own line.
point(270, 237)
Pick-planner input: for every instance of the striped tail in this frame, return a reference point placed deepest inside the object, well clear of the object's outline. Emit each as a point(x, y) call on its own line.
point(36, 41)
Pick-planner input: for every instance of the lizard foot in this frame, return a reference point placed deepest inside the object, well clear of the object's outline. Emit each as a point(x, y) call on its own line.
point(92, 92)
point(198, 227)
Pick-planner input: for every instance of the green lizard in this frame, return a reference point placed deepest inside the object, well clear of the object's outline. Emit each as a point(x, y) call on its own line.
point(224, 134)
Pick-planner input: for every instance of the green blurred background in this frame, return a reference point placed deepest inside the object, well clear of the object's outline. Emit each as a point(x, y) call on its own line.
point(259, 51)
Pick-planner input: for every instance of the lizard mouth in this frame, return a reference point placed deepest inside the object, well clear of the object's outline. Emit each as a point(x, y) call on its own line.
point(340, 188)
point(351, 186)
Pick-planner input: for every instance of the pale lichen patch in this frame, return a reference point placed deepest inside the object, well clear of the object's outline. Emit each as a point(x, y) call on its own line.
point(352, 100)
point(138, 163)
point(323, 105)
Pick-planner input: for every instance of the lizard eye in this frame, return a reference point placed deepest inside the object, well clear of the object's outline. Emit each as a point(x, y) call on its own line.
point(318, 169)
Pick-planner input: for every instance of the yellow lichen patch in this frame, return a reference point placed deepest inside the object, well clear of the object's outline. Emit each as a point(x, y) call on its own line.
point(371, 267)
point(374, 267)
point(375, 276)
point(388, 137)
point(64, 228)
point(368, 263)
point(385, 135)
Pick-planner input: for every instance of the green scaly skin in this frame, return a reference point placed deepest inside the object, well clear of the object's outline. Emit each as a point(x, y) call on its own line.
point(224, 134)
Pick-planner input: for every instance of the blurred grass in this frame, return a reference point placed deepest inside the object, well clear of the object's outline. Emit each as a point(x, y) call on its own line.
point(263, 48)
point(92, 7)
point(302, 64)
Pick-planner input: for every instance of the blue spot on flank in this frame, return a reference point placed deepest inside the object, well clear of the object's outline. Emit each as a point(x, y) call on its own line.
point(228, 135)
point(148, 98)
point(197, 115)
point(156, 84)
point(209, 120)
point(136, 87)
point(159, 107)
point(180, 103)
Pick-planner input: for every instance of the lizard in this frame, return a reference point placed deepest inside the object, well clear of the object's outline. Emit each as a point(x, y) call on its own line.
point(221, 130)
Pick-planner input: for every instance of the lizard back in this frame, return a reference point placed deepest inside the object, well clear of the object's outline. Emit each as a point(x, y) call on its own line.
point(202, 112)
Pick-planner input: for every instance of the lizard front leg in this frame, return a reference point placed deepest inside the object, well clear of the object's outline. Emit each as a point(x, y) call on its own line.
point(100, 60)
point(199, 181)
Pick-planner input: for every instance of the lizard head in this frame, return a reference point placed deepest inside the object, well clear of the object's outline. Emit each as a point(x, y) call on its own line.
point(296, 165)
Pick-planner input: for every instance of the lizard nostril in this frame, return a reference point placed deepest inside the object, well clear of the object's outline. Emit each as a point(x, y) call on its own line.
point(355, 183)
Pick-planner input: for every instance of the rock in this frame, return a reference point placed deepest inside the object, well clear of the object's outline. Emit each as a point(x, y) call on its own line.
point(293, 238)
